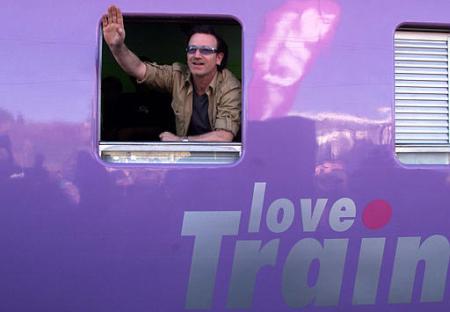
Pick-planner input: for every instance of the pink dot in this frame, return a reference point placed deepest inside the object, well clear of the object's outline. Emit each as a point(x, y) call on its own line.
point(377, 214)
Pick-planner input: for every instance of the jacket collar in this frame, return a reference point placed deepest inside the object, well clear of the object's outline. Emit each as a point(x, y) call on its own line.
point(212, 85)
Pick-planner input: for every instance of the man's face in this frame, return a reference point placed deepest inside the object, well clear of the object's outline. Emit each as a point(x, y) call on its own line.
point(202, 65)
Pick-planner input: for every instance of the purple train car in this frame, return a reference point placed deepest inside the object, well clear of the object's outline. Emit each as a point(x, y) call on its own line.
point(334, 196)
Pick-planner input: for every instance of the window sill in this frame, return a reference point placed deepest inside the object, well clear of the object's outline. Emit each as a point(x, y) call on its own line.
point(170, 152)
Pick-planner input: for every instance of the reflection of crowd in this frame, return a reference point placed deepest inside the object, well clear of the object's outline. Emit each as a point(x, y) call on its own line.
point(7, 166)
point(29, 186)
point(32, 187)
point(80, 181)
point(134, 116)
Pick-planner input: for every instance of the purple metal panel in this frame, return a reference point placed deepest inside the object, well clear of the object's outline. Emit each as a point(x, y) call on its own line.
point(77, 234)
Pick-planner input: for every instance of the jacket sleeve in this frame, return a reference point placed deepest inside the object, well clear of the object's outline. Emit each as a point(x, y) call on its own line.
point(158, 77)
point(229, 109)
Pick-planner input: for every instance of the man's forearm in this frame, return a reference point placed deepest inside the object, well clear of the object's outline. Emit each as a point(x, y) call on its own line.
point(129, 62)
point(213, 136)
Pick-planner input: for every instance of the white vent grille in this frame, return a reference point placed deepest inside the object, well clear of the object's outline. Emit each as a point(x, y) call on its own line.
point(421, 88)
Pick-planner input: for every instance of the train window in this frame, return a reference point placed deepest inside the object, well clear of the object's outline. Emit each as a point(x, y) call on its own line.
point(422, 134)
point(132, 115)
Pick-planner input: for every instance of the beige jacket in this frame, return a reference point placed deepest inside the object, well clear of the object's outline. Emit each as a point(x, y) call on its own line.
point(224, 96)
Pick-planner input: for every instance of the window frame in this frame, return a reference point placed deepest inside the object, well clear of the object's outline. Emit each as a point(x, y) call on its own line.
point(199, 153)
point(419, 113)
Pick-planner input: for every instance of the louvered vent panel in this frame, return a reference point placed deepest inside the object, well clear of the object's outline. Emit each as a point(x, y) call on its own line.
point(421, 89)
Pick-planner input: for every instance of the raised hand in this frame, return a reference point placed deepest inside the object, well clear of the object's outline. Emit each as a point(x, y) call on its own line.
point(113, 29)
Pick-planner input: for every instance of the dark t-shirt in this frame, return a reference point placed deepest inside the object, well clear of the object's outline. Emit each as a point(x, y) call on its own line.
point(199, 121)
